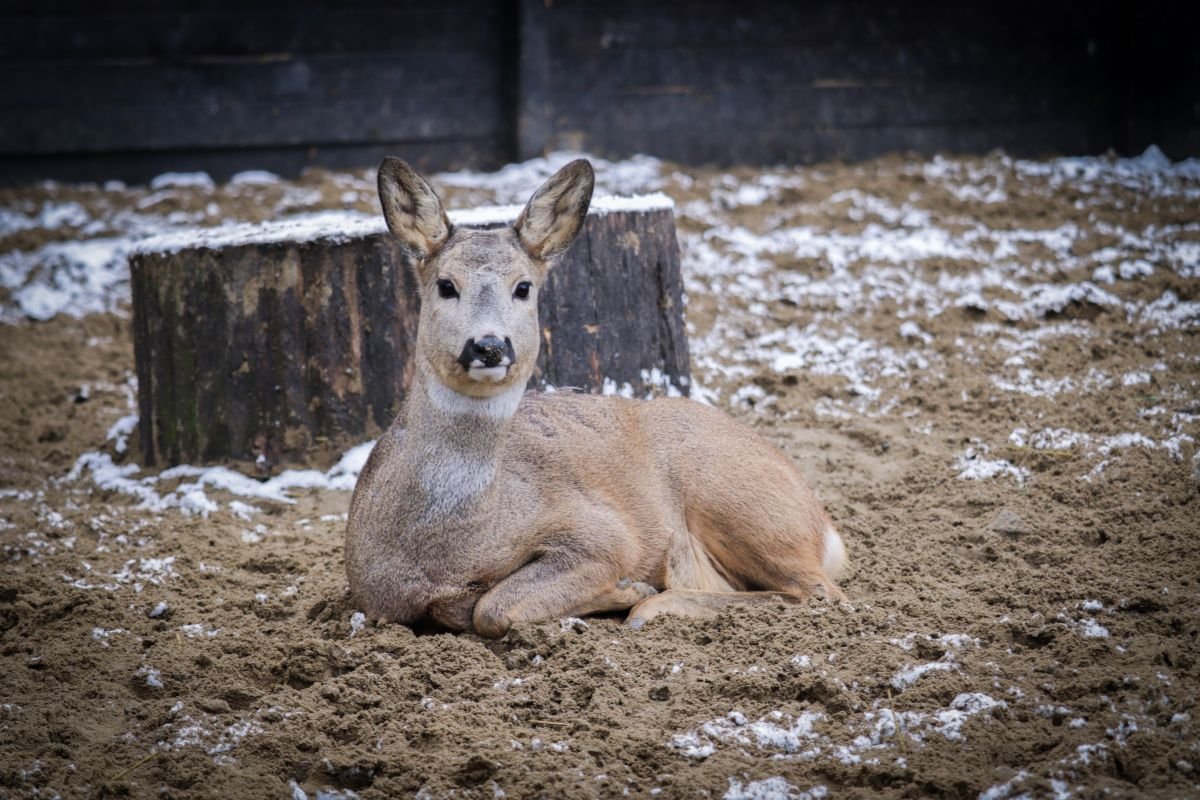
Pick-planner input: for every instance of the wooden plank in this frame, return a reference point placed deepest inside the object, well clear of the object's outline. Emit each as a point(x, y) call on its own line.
point(103, 32)
point(238, 125)
point(139, 166)
point(134, 7)
point(392, 79)
point(533, 80)
point(792, 146)
point(761, 68)
point(580, 26)
point(817, 108)
point(319, 102)
point(1157, 80)
point(672, 77)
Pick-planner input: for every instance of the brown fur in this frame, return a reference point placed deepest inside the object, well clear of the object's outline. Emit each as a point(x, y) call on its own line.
point(481, 507)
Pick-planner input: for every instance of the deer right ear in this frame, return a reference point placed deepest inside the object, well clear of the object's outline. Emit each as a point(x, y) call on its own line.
point(413, 212)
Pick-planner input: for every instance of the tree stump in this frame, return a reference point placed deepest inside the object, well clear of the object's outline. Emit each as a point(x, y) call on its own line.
point(284, 343)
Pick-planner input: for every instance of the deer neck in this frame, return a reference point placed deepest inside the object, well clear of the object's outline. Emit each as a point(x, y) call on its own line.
point(453, 448)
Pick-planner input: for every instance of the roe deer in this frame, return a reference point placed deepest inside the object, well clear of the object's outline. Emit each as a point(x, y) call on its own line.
point(483, 506)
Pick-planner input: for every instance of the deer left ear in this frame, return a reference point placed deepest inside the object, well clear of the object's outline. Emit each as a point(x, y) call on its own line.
point(554, 215)
point(413, 212)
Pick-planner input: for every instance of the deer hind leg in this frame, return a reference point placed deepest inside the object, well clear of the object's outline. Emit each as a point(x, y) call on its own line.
point(699, 586)
point(699, 604)
point(703, 604)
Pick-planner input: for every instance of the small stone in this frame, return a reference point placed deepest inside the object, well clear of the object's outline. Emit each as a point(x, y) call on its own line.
point(213, 705)
point(660, 693)
point(1008, 523)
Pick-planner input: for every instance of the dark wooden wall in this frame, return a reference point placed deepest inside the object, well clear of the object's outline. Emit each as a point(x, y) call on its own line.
point(130, 88)
point(771, 81)
point(135, 87)
point(1156, 77)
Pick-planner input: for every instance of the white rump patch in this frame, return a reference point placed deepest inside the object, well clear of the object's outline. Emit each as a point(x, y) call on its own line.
point(835, 554)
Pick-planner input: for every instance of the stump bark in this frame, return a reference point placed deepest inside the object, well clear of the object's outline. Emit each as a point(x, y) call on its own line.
point(285, 343)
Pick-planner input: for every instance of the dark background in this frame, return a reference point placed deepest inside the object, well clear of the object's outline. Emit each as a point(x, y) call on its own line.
point(130, 88)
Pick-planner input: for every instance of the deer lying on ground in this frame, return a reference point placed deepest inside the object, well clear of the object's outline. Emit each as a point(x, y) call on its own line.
point(483, 506)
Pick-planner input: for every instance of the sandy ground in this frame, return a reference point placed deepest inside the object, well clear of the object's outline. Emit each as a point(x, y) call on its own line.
point(987, 368)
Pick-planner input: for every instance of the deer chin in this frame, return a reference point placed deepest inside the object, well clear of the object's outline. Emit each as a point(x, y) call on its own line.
point(469, 398)
point(482, 383)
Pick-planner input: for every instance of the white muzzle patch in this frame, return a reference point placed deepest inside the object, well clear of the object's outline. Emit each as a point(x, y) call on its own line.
point(478, 372)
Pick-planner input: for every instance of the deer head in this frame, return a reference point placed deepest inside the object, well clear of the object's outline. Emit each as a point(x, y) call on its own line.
point(478, 329)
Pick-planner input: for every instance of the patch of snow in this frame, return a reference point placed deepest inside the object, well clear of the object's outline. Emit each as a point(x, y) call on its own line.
point(1004, 791)
point(153, 677)
point(515, 183)
point(1168, 312)
point(120, 431)
point(73, 277)
point(190, 496)
point(344, 226)
point(910, 675)
point(776, 788)
point(973, 466)
point(610, 388)
point(102, 634)
point(198, 630)
point(176, 180)
point(254, 177)
point(963, 707)
point(911, 330)
point(773, 732)
point(243, 511)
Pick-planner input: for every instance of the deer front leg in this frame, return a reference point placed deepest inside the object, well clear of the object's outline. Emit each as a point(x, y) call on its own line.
point(555, 585)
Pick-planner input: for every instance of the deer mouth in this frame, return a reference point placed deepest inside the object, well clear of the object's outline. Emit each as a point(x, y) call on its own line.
point(488, 374)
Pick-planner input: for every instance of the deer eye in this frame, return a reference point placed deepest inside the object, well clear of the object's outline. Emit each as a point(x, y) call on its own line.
point(446, 289)
point(522, 290)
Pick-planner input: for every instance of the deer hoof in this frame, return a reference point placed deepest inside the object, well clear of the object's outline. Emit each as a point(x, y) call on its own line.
point(491, 623)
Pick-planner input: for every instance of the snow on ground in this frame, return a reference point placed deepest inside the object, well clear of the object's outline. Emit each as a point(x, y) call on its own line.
point(776, 788)
point(906, 261)
point(189, 495)
point(871, 735)
point(842, 259)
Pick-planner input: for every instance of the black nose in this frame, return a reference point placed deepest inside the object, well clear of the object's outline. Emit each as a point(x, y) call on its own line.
point(489, 351)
